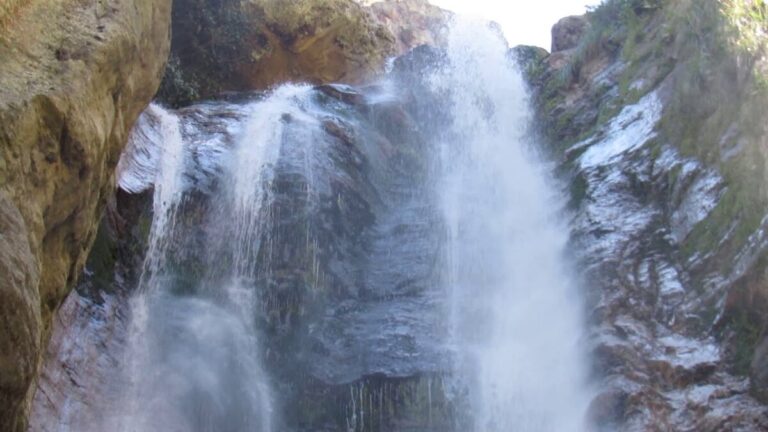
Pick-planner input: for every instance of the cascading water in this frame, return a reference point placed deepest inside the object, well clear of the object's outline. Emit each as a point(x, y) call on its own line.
point(515, 315)
point(296, 249)
point(192, 355)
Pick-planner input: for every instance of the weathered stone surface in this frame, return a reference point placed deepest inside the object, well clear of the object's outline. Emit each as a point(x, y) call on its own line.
point(19, 315)
point(232, 45)
point(759, 370)
point(412, 22)
point(567, 33)
point(224, 46)
point(75, 75)
point(661, 149)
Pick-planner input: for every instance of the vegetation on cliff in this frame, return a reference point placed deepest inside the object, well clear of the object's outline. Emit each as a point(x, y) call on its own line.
point(706, 61)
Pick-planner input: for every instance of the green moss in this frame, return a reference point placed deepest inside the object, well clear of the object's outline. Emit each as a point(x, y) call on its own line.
point(747, 24)
point(737, 215)
point(101, 260)
point(746, 334)
point(674, 174)
point(178, 88)
point(578, 191)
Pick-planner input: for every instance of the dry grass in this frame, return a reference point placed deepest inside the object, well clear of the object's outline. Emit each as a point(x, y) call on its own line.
point(9, 11)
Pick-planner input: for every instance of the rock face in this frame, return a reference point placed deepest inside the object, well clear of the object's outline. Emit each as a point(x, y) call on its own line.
point(567, 33)
point(75, 77)
point(347, 300)
point(412, 22)
point(664, 155)
point(230, 45)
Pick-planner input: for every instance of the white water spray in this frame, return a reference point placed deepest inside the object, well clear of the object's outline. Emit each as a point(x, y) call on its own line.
point(515, 315)
point(159, 154)
point(193, 358)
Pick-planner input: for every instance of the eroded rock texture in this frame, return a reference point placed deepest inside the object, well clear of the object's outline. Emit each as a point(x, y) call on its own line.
point(412, 22)
point(232, 45)
point(75, 75)
point(650, 106)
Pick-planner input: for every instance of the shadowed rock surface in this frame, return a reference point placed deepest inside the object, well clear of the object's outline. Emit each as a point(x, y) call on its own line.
point(229, 45)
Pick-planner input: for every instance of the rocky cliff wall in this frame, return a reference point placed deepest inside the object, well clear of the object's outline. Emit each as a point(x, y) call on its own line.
point(75, 76)
point(654, 109)
point(231, 45)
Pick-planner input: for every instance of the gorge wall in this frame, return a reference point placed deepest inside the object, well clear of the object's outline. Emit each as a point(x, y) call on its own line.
point(655, 110)
point(230, 45)
point(652, 111)
point(75, 76)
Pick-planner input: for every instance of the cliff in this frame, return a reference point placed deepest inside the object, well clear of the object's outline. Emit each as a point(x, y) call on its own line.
point(651, 109)
point(654, 110)
point(232, 45)
point(75, 77)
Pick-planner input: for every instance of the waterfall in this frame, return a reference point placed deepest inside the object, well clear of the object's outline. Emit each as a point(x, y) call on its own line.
point(192, 358)
point(515, 316)
point(330, 258)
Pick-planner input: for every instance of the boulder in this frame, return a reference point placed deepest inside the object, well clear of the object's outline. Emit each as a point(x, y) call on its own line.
point(567, 33)
point(412, 22)
point(75, 76)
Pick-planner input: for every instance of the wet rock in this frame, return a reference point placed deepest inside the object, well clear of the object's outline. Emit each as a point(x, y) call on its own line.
point(80, 361)
point(346, 305)
point(759, 371)
point(607, 409)
point(69, 97)
point(343, 93)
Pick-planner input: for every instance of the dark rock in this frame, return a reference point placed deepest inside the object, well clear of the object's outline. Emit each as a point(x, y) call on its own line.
point(607, 409)
point(228, 45)
point(759, 371)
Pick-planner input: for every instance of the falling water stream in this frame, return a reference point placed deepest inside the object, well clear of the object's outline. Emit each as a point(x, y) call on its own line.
point(514, 310)
point(194, 353)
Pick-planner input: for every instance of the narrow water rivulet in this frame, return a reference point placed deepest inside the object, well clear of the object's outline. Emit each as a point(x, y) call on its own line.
point(367, 259)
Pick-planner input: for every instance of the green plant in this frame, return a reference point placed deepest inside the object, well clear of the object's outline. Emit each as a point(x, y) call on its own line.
point(746, 333)
point(747, 23)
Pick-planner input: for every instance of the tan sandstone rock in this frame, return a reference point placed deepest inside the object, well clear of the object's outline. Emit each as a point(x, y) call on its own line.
point(74, 76)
